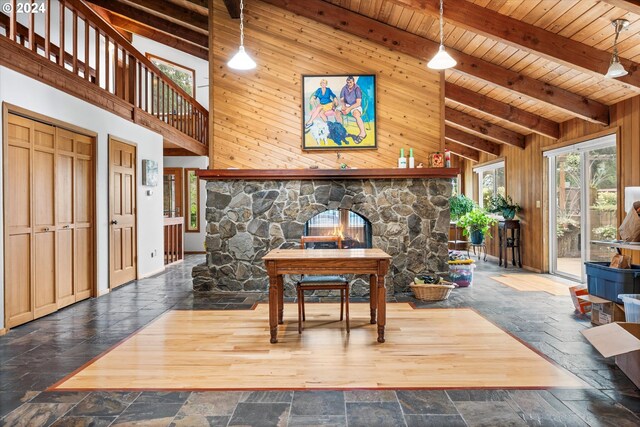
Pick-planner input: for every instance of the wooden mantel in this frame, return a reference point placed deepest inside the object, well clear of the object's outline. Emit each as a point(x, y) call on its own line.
point(263, 174)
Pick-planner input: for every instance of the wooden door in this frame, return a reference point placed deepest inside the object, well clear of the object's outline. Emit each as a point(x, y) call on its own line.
point(44, 222)
point(84, 226)
point(122, 213)
point(65, 217)
point(18, 291)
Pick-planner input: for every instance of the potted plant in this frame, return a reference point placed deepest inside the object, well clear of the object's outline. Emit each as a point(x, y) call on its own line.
point(504, 205)
point(476, 224)
point(460, 205)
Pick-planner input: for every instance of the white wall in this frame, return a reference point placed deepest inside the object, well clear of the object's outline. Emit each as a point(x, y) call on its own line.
point(200, 66)
point(28, 93)
point(193, 242)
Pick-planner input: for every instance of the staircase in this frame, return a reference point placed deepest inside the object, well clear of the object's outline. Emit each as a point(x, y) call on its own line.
point(69, 46)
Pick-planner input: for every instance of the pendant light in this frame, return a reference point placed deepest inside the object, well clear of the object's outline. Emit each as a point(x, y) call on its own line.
point(442, 60)
point(241, 61)
point(615, 67)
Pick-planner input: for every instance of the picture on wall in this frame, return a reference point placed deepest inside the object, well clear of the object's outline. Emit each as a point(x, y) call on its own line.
point(149, 172)
point(339, 112)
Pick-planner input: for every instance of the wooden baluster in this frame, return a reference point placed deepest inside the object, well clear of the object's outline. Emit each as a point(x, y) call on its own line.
point(132, 78)
point(47, 29)
point(32, 31)
point(165, 117)
point(139, 82)
point(87, 66)
point(97, 77)
point(61, 51)
point(74, 59)
point(13, 20)
point(146, 89)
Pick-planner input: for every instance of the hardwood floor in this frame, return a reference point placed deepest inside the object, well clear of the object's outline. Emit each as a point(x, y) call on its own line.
point(438, 348)
point(534, 283)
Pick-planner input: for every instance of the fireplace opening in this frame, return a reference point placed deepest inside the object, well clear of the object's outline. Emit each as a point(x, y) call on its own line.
point(354, 229)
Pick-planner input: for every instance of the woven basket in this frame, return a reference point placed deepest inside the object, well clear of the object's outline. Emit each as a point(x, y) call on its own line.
point(437, 292)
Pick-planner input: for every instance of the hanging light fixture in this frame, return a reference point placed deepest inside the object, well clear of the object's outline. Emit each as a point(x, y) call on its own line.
point(241, 60)
point(615, 67)
point(442, 60)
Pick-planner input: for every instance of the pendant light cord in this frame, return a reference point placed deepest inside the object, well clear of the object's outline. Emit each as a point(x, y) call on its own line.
point(441, 22)
point(241, 23)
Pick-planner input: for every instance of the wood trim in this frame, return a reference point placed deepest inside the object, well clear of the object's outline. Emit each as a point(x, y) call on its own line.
point(151, 56)
point(421, 47)
point(151, 273)
point(233, 7)
point(303, 174)
point(632, 6)
point(473, 141)
point(608, 131)
point(186, 198)
point(173, 10)
point(179, 184)
point(462, 150)
point(14, 109)
point(3, 331)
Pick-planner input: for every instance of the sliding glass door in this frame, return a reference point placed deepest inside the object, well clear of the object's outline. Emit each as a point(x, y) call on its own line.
point(583, 204)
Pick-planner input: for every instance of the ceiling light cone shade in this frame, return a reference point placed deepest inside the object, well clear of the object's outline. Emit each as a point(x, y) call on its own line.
point(442, 60)
point(616, 70)
point(241, 61)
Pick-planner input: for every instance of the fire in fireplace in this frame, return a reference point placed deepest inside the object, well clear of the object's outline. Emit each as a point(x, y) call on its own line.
point(354, 229)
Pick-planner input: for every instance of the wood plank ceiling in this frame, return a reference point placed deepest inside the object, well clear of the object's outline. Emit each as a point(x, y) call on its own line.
point(523, 65)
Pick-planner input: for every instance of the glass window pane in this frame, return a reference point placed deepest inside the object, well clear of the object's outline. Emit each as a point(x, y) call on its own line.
point(193, 210)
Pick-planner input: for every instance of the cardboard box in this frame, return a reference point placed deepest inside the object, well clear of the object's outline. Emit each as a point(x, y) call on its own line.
point(621, 340)
point(603, 311)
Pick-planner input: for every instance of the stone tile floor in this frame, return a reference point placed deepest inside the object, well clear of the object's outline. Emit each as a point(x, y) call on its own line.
point(36, 355)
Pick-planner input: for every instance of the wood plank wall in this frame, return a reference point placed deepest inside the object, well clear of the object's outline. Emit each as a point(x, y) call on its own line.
point(256, 118)
point(526, 175)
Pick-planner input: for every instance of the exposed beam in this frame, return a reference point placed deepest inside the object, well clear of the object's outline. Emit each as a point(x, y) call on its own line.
point(519, 34)
point(423, 48)
point(502, 110)
point(483, 128)
point(233, 7)
point(173, 10)
point(461, 150)
point(153, 34)
point(201, 3)
point(472, 141)
point(153, 21)
point(632, 6)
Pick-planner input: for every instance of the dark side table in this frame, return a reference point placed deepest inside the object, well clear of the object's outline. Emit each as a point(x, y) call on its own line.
point(509, 237)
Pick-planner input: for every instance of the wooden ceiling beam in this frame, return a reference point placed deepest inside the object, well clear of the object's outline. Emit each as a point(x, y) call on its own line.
point(519, 34)
point(135, 27)
point(201, 3)
point(483, 128)
point(173, 10)
point(472, 141)
point(233, 7)
point(632, 6)
point(501, 110)
point(461, 150)
point(153, 21)
point(423, 48)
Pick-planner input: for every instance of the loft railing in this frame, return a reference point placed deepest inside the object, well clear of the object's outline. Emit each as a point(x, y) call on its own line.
point(74, 36)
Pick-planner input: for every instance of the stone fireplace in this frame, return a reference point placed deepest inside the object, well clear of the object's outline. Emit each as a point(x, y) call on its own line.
point(407, 217)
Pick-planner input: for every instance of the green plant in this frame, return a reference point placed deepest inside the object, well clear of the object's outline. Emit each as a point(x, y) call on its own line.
point(606, 232)
point(460, 205)
point(503, 205)
point(476, 220)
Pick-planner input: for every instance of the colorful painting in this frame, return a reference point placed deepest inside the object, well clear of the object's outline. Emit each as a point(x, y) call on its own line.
point(339, 112)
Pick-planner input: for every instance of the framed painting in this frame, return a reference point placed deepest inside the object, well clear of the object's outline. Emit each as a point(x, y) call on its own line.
point(339, 112)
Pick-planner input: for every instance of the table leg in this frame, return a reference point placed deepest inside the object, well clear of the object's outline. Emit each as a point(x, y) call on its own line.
point(280, 299)
point(273, 308)
point(382, 307)
point(373, 297)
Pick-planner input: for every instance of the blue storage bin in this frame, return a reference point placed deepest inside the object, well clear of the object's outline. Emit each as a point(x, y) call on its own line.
point(631, 307)
point(607, 282)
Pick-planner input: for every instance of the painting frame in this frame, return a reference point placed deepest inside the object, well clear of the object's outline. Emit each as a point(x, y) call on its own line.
point(329, 122)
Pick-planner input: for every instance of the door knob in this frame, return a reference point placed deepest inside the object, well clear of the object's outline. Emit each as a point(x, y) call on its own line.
point(46, 229)
point(114, 222)
point(66, 226)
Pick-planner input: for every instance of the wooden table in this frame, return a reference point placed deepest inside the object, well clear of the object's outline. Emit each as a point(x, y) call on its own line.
point(373, 262)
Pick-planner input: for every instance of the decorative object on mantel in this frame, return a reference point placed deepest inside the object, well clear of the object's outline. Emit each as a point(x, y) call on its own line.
point(402, 160)
point(447, 158)
point(437, 160)
point(412, 160)
point(241, 60)
point(149, 173)
point(442, 60)
point(339, 111)
point(615, 67)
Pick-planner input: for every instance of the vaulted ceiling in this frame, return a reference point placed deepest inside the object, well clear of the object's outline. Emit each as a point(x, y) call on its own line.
point(523, 65)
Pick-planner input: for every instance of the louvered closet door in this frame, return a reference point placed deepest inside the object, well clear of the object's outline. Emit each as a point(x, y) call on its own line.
point(17, 208)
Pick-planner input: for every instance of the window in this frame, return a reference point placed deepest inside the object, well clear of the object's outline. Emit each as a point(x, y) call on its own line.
point(491, 182)
point(192, 195)
point(184, 77)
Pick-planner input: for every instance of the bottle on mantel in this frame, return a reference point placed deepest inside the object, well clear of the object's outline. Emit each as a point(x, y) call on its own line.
point(412, 160)
point(402, 160)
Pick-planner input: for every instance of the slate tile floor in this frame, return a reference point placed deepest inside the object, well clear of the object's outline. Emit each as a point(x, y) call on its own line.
point(36, 355)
